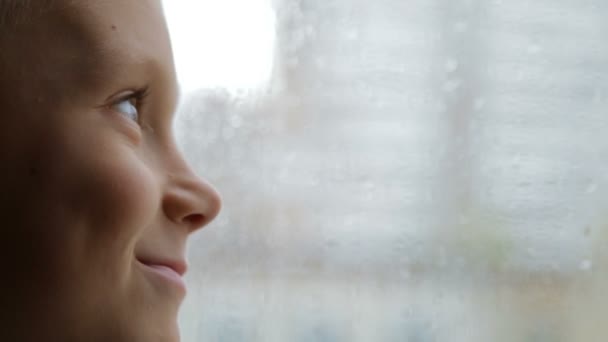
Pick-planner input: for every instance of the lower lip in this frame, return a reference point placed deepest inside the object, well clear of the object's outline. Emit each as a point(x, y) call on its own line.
point(168, 275)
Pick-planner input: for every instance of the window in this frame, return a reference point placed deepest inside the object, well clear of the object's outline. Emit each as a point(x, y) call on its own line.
point(399, 170)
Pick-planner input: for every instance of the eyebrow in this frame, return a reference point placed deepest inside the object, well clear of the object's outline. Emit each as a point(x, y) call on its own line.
point(110, 65)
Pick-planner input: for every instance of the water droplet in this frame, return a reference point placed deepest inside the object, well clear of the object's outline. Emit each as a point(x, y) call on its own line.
point(479, 103)
point(587, 231)
point(451, 85)
point(586, 265)
point(228, 133)
point(463, 219)
point(591, 188)
point(534, 49)
point(352, 34)
point(236, 121)
point(451, 65)
point(461, 26)
point(331, 243)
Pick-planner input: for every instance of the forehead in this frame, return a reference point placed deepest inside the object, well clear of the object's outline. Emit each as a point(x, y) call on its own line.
point(122, 34)
point(81, 47)
point(81, 50)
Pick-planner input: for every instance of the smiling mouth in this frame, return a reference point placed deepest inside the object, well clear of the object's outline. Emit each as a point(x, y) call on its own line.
point(166, 272)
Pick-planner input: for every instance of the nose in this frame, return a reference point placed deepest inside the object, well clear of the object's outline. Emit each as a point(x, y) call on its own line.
point(189, 200)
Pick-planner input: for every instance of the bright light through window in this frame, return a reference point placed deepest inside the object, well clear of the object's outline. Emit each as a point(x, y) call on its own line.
point(227, 43)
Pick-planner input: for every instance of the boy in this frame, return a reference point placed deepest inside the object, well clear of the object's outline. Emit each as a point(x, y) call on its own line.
point(96, 201)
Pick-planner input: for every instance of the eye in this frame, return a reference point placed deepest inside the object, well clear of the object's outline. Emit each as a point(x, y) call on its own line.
point(130, 104)
point(128, 107)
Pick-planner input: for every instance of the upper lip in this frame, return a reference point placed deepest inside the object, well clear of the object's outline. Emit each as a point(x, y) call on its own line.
point(180, 266)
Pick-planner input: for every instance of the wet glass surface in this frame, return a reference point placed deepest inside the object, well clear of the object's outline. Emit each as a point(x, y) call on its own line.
point(402, 171)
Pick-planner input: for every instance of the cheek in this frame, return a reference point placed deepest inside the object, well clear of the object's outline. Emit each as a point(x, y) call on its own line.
point(82, 200)
point(100, 193)
point(118, 197)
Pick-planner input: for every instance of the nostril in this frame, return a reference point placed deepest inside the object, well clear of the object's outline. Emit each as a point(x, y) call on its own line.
point(195, 220)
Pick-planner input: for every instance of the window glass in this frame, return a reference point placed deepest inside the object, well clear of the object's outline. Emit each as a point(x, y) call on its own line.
point(397, 170)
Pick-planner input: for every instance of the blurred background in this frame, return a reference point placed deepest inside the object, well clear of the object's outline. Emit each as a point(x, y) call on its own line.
point(397, 170)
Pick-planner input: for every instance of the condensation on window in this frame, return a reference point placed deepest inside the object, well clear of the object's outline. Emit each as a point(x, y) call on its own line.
point(400, 170)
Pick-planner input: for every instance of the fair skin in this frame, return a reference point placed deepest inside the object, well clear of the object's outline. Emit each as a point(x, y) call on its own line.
point(97, 201)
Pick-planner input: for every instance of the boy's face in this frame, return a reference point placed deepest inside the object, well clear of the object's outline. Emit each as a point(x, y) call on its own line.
point(95, 195)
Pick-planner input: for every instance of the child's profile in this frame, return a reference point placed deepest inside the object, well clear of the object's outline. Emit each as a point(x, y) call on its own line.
point(97, 202)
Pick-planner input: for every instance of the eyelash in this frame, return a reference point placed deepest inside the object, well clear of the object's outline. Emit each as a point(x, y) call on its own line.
point(139, 95)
